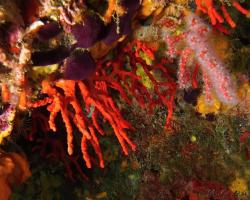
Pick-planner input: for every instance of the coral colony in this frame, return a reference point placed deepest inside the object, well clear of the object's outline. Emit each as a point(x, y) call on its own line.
point(94, 77)
point(215, 76)
point(75, 61)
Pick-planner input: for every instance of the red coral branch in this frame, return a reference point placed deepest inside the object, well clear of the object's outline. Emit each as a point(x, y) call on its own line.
point(208, 7)
point(127, 83)
point(96, 97)
point(57, 152)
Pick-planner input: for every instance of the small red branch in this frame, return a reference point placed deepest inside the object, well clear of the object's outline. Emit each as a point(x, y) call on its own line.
point(58, 152)
point(129, 85)
point(208, 7)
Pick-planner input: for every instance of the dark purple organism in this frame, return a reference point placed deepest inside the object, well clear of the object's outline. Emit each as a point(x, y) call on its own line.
point(49, 57)
point(124, 24)
point(80, 65)
point(49, 31)
point(131, 6)
point(210, 117)
point(191, 95)
point(89, 32)
point(125, 29)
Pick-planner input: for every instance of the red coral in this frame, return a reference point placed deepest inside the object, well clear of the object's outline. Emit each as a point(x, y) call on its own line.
point(208, 7)
point(244, 136)
point(62, 97)
point(96, 97)
point(243, 140)
point(57, 151)
point(198, 52)
point(129, 84)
